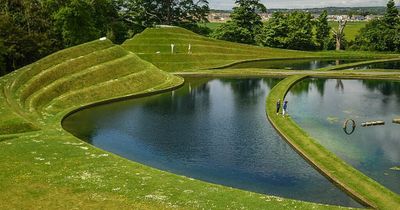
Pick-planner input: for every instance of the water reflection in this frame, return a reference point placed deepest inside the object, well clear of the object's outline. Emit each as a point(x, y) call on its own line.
point(296, 64)
point(213, 130)
point(372, 150)
point(385, 65)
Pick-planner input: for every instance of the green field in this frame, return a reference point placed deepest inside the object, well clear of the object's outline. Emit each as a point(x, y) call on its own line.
point(351, 30)
point(45, 167)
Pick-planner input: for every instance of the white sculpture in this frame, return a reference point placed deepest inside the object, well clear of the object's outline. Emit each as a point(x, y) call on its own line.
point(172, 48)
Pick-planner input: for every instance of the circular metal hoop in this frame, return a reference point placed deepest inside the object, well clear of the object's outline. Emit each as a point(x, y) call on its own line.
point(346, 124)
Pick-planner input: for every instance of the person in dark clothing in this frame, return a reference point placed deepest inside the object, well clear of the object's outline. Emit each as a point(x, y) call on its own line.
point(284, 108)
point(278, 106)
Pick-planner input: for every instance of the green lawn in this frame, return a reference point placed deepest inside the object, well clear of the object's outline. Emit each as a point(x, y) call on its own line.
point(351, 30)
point(45, 167)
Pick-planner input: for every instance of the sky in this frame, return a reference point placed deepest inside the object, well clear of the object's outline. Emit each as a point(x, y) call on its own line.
point(228, 4)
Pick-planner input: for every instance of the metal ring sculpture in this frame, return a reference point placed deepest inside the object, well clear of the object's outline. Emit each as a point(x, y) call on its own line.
point(353, 126)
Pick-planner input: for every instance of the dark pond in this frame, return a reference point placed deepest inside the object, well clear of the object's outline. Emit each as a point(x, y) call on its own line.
point(320, 106)
point(301, 64)
point(213, 130)
point(385, 65)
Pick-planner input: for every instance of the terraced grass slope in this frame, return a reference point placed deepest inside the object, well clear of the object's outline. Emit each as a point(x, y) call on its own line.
point(79, 76)
point(154, 45)
point(44, 167)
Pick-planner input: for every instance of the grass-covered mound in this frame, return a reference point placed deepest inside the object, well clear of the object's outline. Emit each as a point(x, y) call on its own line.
point(79, 76)
point(44, 167)
point(154, 45)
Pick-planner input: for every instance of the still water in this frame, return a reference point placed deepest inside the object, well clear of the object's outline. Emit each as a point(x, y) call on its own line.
point(301, 64)
point(212, 130)
point(385, 65)
point(321, 106)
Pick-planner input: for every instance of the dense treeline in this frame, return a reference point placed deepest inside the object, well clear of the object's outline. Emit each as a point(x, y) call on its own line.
point(299, 30)
point(32, 29)
point(381, 34)
point(284, 30)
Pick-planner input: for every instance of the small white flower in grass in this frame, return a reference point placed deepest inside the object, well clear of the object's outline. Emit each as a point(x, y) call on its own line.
point(146, 178)
point(84, 148)
point(116, 189)
point(37, 141)
point(156, 197)
point(47, 163)
point(39, 158)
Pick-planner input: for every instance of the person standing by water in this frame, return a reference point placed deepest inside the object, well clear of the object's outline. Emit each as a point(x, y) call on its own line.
point(278, 106)
point(284, 108)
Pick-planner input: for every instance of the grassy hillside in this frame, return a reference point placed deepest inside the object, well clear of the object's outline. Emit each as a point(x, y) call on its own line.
point(154, 45)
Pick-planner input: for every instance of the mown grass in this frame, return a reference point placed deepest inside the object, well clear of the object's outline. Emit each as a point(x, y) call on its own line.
point(44, 167)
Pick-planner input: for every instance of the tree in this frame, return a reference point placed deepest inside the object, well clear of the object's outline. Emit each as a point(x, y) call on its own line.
point(292, 31)
point(300, 36)
point(25, 32)
point(274, 33)
point(230, 31)
point(76, 22)
point(381, 34)
point(245, 22)
point(3, 54)
point(339, 34)
point(391, 17)
point(140, 14)
point(322, 31)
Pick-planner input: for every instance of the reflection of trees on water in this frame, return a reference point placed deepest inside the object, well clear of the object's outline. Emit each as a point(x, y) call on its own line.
point(271, 82)
point(339, 85)
point(182, 100)
point(306, 85)
point(387, 88)
point(245, 87)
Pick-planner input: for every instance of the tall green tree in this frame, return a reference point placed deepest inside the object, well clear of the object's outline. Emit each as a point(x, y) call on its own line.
point(381, 34)
point(300, 26)
point(292, 31)
point(76, 22)
point(322, 31)
point(140, 14)
point(391, 17)
point(24, 31)
point(274, 33)
point(245, 22)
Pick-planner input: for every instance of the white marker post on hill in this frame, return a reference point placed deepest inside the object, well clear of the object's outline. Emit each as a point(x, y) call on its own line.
point(172, 48)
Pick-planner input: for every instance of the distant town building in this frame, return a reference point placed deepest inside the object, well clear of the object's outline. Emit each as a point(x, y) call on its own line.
point(222, 17)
